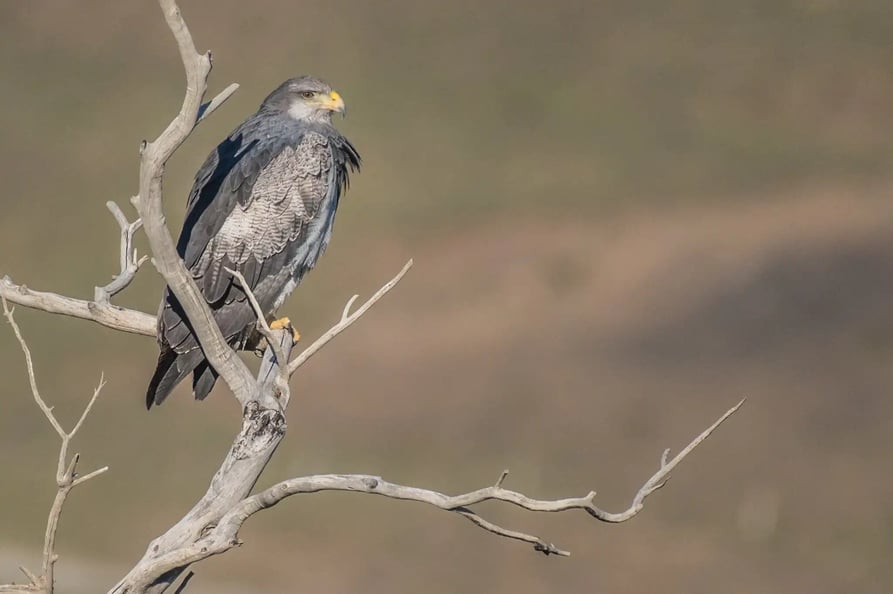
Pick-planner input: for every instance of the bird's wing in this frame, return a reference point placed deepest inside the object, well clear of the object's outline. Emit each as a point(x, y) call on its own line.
point(283, 201)
point(226, 179)
point(248, 207)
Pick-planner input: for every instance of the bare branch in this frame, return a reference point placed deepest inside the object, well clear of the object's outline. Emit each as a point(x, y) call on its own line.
point(661, 477)
point(29, 363)
point(110, 316)
point(208, 108)
point(263, 427)
point(346, 320)
point(546, 548)
point(129, 262)
point(86, 477)
point(66, 471)
point(264, 328)
point(66, 480)
point(153, 158)
point(33, 584)
point(224, 535)
point(28, 574)
point(19, 588)
point(346, 311)
point(89, 407)
point(100, 309)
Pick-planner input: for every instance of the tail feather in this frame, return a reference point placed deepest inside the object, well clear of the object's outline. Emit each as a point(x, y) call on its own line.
point(171, 369)
point(236, 320)
point(203, 379)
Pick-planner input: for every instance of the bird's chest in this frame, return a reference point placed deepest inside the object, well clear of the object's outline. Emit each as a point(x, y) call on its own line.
point(309, 247)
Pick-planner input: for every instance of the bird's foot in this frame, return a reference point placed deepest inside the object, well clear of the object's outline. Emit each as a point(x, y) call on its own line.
point(285, 324)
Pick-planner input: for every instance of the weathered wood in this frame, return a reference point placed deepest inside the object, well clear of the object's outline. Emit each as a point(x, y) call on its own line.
point(263, 427)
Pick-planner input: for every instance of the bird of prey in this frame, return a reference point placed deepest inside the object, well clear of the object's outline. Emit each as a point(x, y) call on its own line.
point(262, 204)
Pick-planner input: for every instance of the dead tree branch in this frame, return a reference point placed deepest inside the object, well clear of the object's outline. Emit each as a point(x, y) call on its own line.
point(224, 535)
point(263, 427)
point(100, 309)
point(110, 316)
point(272, 341)
point(66, 470)
point(347, 319)
point(154, 156)
point(130, 262)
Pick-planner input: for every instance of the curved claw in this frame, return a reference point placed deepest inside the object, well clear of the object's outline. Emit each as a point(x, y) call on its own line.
point(285, 324)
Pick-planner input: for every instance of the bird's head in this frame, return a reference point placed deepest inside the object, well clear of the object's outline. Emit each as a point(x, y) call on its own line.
point(305, 99)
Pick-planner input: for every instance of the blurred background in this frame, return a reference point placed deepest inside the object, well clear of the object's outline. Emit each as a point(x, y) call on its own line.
point(625, 216)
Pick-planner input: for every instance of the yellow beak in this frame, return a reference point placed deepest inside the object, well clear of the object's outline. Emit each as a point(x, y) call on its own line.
point(334, 102)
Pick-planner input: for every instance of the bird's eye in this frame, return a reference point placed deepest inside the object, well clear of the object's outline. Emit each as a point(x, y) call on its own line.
point(307, 94)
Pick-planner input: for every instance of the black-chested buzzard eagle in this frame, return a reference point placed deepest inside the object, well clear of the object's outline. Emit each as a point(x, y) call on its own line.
point(263, 204)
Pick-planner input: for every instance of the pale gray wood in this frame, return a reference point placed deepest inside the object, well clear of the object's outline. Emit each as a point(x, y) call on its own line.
point(263, 427)
point(66, 470)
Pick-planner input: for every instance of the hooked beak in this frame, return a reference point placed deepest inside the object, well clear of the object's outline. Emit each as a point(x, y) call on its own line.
point(334, 102)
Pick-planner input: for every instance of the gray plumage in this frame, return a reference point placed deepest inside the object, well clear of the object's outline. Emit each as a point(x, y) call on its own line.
point(263, 203)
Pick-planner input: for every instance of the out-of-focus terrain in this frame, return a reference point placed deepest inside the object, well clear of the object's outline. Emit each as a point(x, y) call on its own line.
point(625, 216)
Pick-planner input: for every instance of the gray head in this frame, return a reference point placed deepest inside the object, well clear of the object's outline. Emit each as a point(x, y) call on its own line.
point(305, 99)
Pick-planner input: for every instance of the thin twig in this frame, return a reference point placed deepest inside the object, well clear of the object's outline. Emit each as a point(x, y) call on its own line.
point(128, 260)
point(346, 320)
point(540, 545)
point(66, 480)
point(20, 588)
point(208, 108)
point(34, 584)
point(86, 477)
point(89, 406)
point(663, 474)
point(264, 328)
point(29, 363)
point(28, 574)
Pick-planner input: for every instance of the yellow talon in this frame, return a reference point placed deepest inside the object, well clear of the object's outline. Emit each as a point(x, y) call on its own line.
point(283, 324)
point(280, 324)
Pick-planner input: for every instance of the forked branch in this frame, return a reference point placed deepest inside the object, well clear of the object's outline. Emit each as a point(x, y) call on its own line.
point(129, 261)
point(100, 309)
point(263, 426)
point(229, 525)
point(66, 469)
point(272, 340)
point(347, 319)
point(224, 535)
